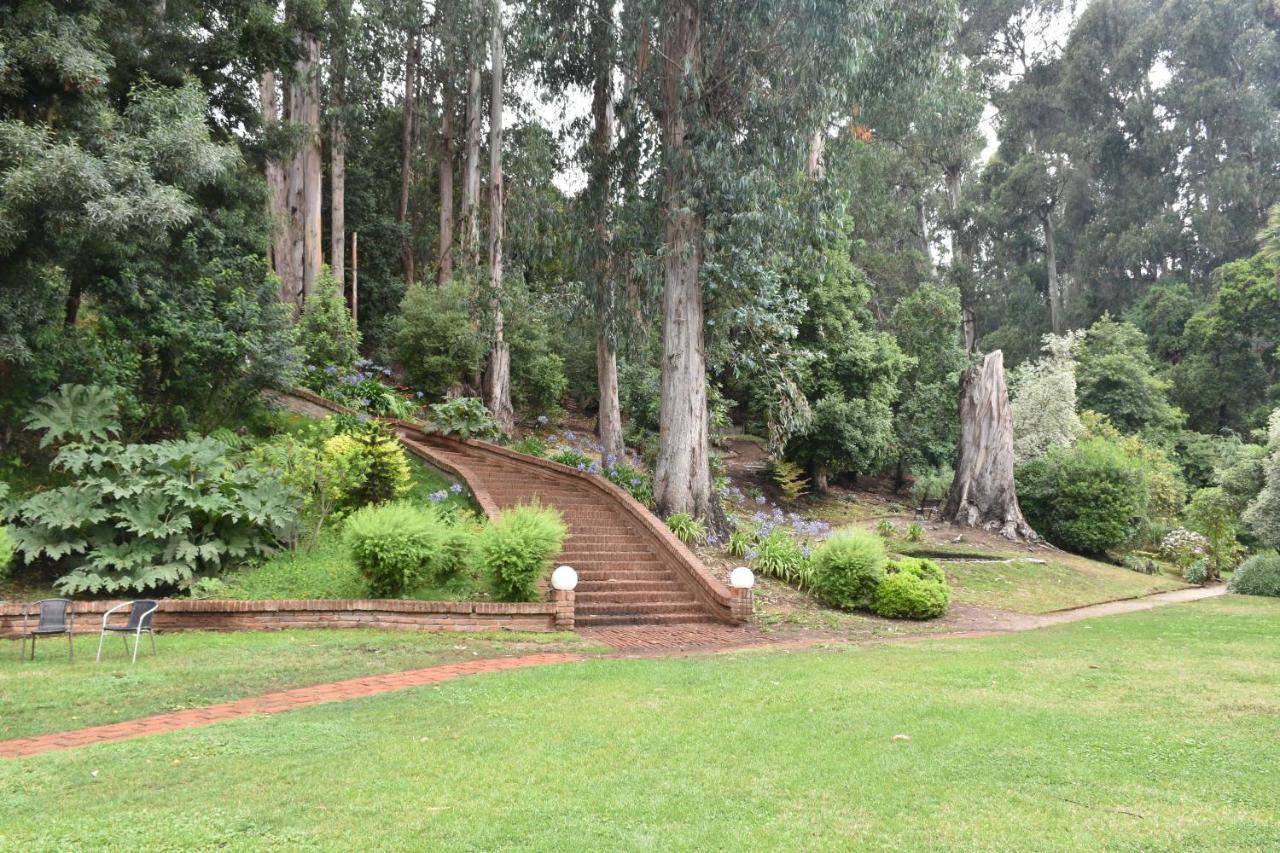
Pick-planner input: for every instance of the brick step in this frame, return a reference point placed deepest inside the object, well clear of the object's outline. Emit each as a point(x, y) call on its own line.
point(605, 539)
point(687, 606)
point(587, 602)
point(663, 575)
point(692, 617)
point(611, 558)
point(619, 585)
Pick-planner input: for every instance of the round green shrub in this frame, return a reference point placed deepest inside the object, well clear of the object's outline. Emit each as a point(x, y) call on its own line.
point(516, 550)
point(6, 552)
point(1089, 497)
point(1258, 575)
point(395, 546)
point(1197, 572)
point(847, 568)
point(912, 589)
point(434, 340)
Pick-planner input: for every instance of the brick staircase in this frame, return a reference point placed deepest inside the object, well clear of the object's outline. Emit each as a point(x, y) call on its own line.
point(624, 577)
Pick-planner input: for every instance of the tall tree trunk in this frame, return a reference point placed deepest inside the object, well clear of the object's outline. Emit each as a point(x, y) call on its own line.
point(338, 152)
point(1056, 312)
point(600, 193)
point(411, 59)
point(953, 178)
point(497, 388)
point(983, 493)
point(817, 150)
point(444, 269)
point(471, 170)
point(682, 477)
point(278, 201)
point(312, 166)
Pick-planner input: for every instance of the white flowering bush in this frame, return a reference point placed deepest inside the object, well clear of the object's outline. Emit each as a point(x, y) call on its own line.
point(1184, 547)
point(1042, 399)
point(1263, 513)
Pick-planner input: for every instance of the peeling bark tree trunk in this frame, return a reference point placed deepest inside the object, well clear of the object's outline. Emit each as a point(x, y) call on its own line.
point(609, 417)
point(406, 155)
point(338, 157)
point(817, 149)
point(960, 261)
point(471, 171)
point(497, 387)
point(278, 200)
point(983, 492)
point(682, 476)
point(1051, 267)
point(303, 178)
point(444, 268)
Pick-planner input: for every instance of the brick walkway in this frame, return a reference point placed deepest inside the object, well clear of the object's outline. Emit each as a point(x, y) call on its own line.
point(662, 639)
point(270, 703)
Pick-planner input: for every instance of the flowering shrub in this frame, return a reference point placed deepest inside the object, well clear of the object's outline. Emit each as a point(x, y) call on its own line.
point(780, 556)
point(1183, 547)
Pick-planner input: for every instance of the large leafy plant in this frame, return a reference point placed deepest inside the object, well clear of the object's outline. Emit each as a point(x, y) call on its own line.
point(141, 516)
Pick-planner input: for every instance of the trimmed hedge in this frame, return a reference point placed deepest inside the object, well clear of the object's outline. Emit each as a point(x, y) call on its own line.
point(912, 589)
point(847, 568)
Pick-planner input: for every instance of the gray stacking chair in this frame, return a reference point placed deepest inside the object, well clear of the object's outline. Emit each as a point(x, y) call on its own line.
point(139, 623)
point(55, 617)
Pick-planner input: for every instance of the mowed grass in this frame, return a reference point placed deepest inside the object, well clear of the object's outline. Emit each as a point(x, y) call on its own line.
point(194, 669)
point(1046, 581)
point(1155, 731)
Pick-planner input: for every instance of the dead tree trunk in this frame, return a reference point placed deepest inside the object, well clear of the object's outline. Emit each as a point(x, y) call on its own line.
point(497, 387)
point(983, 492)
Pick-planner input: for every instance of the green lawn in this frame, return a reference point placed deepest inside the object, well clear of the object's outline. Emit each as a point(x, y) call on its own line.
point(1156, 730)
point(199, 668)
point(1026, 586)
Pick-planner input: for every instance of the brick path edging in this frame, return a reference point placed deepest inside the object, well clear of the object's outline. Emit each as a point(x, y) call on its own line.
point(270, 703)
point(180, 614)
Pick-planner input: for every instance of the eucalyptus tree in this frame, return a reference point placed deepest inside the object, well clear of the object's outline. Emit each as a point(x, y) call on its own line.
point(740, 89)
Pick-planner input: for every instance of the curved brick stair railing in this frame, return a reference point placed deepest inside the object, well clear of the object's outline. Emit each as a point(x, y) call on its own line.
point(631, 569)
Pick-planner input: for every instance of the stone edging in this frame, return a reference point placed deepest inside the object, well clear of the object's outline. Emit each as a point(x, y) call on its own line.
point(181, 614)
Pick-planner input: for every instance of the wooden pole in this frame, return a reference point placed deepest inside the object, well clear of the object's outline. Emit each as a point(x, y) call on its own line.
point(355, 266)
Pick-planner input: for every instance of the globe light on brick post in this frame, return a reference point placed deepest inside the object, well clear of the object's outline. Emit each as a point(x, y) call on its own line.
point(742, 578)
point(564, 578)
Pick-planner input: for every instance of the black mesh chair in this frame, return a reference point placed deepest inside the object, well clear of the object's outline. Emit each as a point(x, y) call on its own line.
point(55, 617)
point(139, 623)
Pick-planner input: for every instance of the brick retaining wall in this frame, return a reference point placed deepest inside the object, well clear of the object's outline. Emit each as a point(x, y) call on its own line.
point(179, 614)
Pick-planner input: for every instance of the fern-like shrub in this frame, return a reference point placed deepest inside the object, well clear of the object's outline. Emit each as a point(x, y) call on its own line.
point(912, 589)
point(780, 556)
point(687, 529)
point(516, 550)
point(1258, 575)
point(327, 333)
point(847, 568)
point(790, 480)
point(395, 546)
point(141, 516)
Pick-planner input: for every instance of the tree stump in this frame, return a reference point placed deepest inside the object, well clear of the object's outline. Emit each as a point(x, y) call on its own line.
point(983, 493)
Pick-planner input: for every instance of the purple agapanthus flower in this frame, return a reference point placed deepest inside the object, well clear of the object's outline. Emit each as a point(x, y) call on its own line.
point(569, 435)
point(582, 466)
point(542, 420)
point(420, 394)
point(750, 555)
point(760, 500)
point(713, 539)
point(456, 488)
point(635, 481)
point(594, 467)
point(331, 370)
point(437, 497)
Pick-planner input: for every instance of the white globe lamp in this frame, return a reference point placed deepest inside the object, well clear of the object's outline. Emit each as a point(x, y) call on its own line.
point(564, 578)
point(742, 578)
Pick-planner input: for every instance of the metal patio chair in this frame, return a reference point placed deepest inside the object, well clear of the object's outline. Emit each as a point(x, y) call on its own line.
point(139, 623)
point(55, 617)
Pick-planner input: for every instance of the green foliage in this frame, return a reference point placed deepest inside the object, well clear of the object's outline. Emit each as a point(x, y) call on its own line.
point(147, 516)
point(1042, 399)
point(780, 556)
point(635, 482)
point(912, 589)
point(464, 417)
point(914, 532)
point(6, 551)
point(886, 529)
point(1116, 377)
point(1258, 575)
point(435, 340)
point(741, 540)
point(687, 529)
point(847, 568)
point(395, 546)
point(1212, 513)
point(1141, 565)
point(789, 479)
point(1088, 498)
point(209, 588)
point(379, 456)
point(1262, 515)
point(932, 486)
point(572, 458)
point(531, 445)
point(77, 412)
point(517, 549)
point(1198, 572)
point(327, 334)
